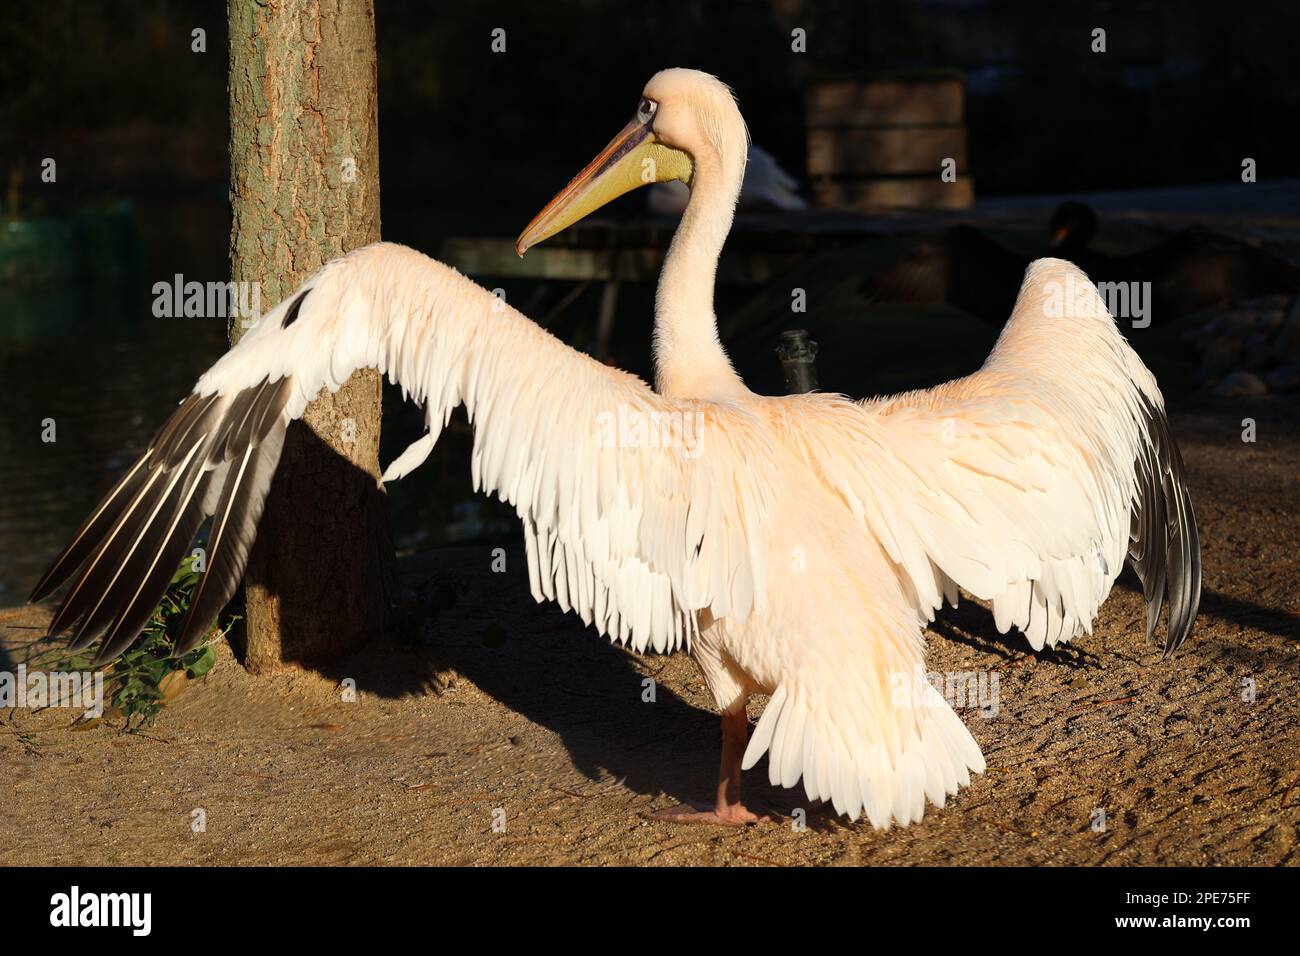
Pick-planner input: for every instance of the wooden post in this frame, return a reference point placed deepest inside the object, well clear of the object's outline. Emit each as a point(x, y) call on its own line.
point(304, 172)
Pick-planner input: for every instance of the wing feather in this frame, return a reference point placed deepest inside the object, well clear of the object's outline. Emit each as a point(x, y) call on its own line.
point(125, 555)
point(597, 466)
point(1030, 481)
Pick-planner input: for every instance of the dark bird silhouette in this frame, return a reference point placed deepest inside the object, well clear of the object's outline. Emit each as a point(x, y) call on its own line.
point(1189, 270)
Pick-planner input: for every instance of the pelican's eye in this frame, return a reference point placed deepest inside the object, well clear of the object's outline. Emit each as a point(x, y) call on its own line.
point(646, 111)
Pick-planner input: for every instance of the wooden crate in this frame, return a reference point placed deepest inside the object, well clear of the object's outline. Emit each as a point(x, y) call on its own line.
point(881, 142)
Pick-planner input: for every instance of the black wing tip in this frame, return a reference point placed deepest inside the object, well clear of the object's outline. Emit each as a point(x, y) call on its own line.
point(291, 316)
point(48, 584)
point(1179, 631)
point(191, 637)
point(121, 560)
point(1175, 635)
point(199, 620)
point(1179, 559)
point(1167, 546)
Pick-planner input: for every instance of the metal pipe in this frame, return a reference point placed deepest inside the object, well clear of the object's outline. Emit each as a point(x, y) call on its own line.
point(798, 355)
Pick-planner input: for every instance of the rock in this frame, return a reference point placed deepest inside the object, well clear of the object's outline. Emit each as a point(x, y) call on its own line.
point(1198, 338)
point(1271, 321)
point(1220, 357)
point(1286, 346)
point(1240, 385)
point(1259, 350)
point(1240, 322)
point(1284, 379)
point(1277, 302)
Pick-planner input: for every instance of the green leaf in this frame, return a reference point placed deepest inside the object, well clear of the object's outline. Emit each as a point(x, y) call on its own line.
point(204, 663)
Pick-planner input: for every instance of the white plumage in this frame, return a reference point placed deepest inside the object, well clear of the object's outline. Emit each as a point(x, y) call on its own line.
point(795, 545)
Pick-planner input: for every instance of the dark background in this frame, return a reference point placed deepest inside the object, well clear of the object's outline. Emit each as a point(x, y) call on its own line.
point(472, 141)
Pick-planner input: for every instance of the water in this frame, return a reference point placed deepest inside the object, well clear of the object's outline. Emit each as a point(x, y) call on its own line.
point(90, 367)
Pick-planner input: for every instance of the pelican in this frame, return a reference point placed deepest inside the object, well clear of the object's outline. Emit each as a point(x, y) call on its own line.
point(795, 545)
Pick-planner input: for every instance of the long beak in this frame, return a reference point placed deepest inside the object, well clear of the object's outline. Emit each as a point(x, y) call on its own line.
point(633, 158)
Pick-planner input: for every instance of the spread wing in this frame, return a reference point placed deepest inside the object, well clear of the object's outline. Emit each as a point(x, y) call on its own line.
point(638, 511)
point(1031, 481)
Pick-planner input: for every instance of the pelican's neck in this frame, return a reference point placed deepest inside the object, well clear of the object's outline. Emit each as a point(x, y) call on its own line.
point(689, 359)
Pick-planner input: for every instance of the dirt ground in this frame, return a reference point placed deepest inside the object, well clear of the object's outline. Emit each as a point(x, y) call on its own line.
point(501, 705)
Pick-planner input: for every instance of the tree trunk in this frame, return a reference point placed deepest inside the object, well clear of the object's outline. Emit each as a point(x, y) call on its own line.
point(304, 171)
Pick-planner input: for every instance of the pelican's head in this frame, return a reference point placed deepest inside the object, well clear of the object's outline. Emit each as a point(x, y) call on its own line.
point(686, 121)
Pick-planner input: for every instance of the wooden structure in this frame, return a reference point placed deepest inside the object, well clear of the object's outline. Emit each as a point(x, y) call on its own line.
point(883, 142)
point(760, 248)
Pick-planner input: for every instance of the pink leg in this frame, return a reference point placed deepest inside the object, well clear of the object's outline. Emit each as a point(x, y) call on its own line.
point(728, 810)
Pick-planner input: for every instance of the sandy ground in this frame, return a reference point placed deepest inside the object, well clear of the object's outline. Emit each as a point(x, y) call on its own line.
point(500, 707)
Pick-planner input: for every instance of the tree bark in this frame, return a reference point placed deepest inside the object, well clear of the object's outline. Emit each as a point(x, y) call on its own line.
point(304, 170)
